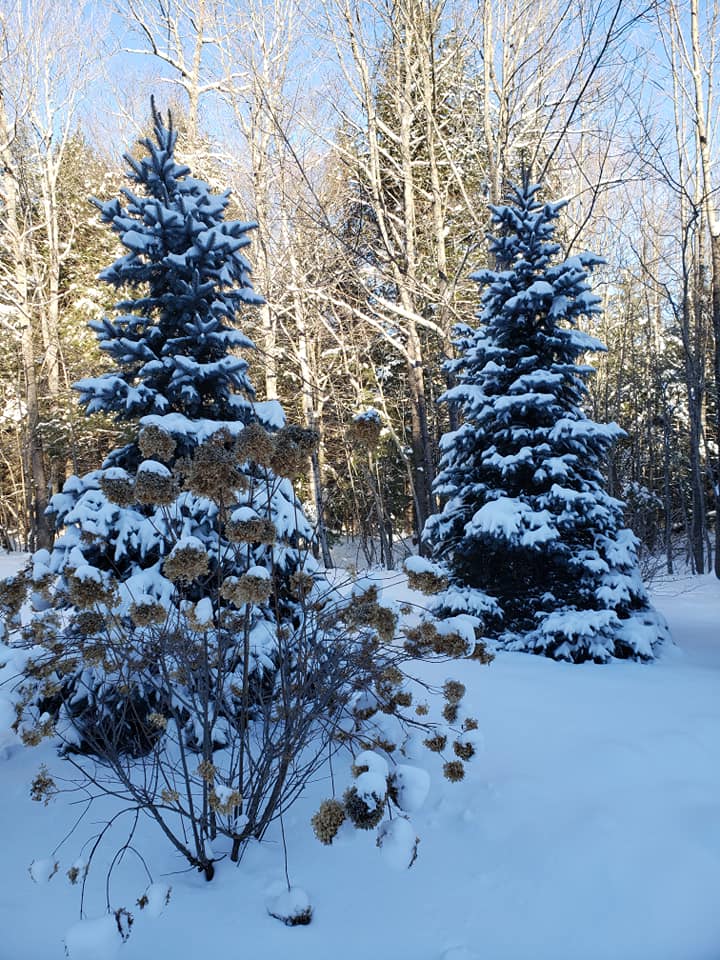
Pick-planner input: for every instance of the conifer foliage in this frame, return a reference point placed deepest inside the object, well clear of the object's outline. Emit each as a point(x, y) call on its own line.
point(531, 539)
point(198, 510)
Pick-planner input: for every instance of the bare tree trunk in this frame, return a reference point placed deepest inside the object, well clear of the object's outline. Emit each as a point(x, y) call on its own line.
point(702, 86)
point(40, 534)
point(310, 413)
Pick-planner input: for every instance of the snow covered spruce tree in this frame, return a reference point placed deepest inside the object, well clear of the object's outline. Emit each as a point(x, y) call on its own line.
point(198, 511)
point(528, 537)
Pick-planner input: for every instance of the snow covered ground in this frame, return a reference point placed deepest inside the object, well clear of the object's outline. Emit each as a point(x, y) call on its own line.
point(588, 828)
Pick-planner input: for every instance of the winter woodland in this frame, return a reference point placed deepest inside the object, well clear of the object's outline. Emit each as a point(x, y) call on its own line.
point(359, 478)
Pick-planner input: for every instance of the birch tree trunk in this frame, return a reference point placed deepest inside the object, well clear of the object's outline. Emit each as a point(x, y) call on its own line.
point(18, 291)
point(702, 75)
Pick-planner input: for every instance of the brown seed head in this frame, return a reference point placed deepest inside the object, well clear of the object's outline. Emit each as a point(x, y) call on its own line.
point(214, 469)
point(328, 820)
point(89, 622)
point(206, 770)
point(251, 531)
point(454, 691)
point(154, 484)
point(454, 771)
point(463, 750)
point(288, 460)
point(148, 613)
point(186, 563)
point(43, 786)
point(156, 443)
point(118, 489)
point(251, 589)
point(450, 712)
point(255, 443)
point(364, 431)
point(364, 813)
point(13, 591)
point(426, 582)
point(85, 592)
point(306, 440)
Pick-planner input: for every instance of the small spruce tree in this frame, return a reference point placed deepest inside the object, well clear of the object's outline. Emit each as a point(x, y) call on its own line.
point(202, 496)
point(531, 539)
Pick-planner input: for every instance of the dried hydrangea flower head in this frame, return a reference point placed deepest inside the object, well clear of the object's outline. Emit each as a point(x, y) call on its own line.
point(420, 639)
point(288, 459)
point(425, 576)
point(156, 443)
point(88, 622)
point(453, 691)
point(154, 484)
point(187, 560)
point(245, 526)
point(254, 586)
point(306, 440)
point(464, 750)
point(328, 820)
point(214, 471)
point(436, 743)
point(454, 771)
point(255, 443)
point(200, 616)
point(87, 587)
point(13, 591)
point(224, 801)
point(302, 583)
point(118, 487)
point(450, 712)
point(43, 786)
point(366, 611)
point(364, 810)
point(147, 612)
point(445, 638)
point(365, 429)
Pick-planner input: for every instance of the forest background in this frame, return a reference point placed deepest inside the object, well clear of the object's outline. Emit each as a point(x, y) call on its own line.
point(366, 139)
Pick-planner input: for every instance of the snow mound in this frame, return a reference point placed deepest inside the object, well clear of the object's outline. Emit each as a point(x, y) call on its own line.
point(98, 939)
point(460, 953)
point(412, 785)
point(398, 843)
point(292, 907)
